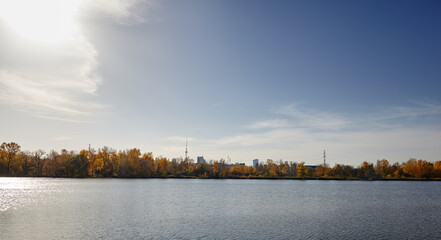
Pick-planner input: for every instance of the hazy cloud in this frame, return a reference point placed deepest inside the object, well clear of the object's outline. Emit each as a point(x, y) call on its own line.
point(178, 139)
point(61, 138)
point(50, 77)
point(298, 137)
point(418, 109)
point(272, 123)
point(120, 11)
point(300, 117)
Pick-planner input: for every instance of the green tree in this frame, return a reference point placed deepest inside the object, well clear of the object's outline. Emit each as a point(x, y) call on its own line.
point(77, 166)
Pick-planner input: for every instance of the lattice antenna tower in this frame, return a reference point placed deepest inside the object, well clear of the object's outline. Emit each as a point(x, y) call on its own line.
point(324, 158)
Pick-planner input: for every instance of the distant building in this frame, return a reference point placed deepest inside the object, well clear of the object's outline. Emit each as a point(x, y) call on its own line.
point(255, 163)
point(311, 166)
point(201, 160)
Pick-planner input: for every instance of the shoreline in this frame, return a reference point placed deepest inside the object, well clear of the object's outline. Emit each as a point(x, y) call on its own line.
point(242, 178)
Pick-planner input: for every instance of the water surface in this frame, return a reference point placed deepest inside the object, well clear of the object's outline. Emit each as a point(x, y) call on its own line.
point(44, 208)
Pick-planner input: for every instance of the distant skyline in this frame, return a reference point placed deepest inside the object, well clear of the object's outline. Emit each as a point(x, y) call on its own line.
point(245, 79)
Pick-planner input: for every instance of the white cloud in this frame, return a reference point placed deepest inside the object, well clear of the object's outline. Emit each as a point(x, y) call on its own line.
point(418, 109)
point(304, 134)
point(53, 76)
point(58, 87)
point(120, 11)
point(272, 123)
point(311, 118)
point(279, 137)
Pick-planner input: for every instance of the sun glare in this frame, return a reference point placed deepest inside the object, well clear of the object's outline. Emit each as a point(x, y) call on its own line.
point(47, 21)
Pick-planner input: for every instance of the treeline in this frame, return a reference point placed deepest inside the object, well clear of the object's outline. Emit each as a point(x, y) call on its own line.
point(107, 162)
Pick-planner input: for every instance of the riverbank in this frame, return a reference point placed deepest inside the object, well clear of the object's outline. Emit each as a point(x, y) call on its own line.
point(240, 178)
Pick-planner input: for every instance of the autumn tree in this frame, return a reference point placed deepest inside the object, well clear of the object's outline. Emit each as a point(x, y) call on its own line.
point(186, 166)
point(366, 171)
point(215, 169)
point(437, 169)
point(64, 159)
point(124, 164)
point(272, 168)
point(133, 157)
point(283, 169)
point(106, 162)
point(322, 171)
point(9, 151)
point(425, 168)
point(310, 172)
point(397, 170)
point(337, 171)
point(173, 167)
point(222, 167)
point(190, 167)
point(54, 165)
point(301, 170)
point(202, 170)
point(383, 168)
point(417, 168)
point(105, 159)
point(115, 162)
point(147, 164)
point(95, 164)
point(162, 166)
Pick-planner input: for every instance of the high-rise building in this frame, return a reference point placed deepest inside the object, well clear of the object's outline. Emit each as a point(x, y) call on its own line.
point(255, 163)
point(201, 160)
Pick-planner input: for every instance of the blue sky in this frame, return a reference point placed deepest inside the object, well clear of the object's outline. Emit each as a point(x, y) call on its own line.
point(245, 79)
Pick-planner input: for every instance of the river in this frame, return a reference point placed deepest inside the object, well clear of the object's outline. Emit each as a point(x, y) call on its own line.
point(47, 208)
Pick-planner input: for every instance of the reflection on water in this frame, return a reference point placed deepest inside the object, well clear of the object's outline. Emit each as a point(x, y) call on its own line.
point(41, 208)
point(18, 192)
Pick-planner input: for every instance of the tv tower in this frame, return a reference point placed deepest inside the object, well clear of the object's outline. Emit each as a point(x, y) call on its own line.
point(186, 146)
point(324, 158)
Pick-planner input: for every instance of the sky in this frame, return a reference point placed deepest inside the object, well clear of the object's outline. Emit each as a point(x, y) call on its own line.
point(239, 80)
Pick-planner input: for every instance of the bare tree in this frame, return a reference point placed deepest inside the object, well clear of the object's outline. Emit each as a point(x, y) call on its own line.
point(39, 161)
